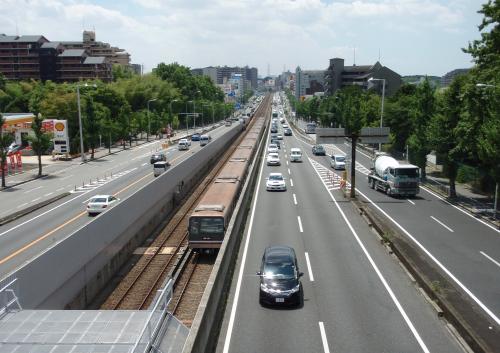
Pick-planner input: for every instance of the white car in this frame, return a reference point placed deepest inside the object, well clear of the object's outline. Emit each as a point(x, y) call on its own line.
point(285, 126)
point(273, 159)
point(272, 148)
point(279, 137)
point(275, 182)
point(337, 162)
point(100, 203)
point(295, 155)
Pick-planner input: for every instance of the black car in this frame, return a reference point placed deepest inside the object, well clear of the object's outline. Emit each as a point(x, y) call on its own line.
point(318, 150)
point(276, 141)
point(274, 129)
point(195, 137)
point(280, 277)
point(287, 132)
point(157, 157)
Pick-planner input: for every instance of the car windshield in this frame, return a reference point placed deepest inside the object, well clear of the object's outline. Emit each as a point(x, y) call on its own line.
point(273, 146)
point(407, 172)
point(276, 177)
point(280, 270)
point(319, 148)
point(206, 226)
point(340, 159)
point(99, 200)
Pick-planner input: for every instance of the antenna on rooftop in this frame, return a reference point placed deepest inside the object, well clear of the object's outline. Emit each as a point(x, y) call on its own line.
point(354, 56)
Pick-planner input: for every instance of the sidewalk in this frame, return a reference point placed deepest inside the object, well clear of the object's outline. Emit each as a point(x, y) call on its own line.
point(29, 170)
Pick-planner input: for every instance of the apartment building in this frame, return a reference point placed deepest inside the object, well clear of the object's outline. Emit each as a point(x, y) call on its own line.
point(222, 74)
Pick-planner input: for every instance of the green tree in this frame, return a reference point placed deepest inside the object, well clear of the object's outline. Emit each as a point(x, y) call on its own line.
point(121, 72)
point(5, 141)
point(41, 140)
point(398, 115)
point(92, 126)
point(444, 136)
point(419, 139)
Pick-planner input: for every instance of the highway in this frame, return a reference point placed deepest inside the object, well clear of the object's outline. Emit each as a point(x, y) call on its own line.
point(357, 298)
point(126, 173)
point(466, 248)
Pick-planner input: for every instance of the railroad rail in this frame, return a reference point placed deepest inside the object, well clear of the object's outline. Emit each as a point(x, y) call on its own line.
point(138, 288)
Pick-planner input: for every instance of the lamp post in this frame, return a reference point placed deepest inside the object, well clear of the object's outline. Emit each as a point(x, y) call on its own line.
point(495, 202)
point(382, 105)
point(149, 120)
point(80, 117)
point(175, 100)
point(194, 114)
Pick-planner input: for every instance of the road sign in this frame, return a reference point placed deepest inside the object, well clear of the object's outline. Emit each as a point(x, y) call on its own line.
point(330, 135)
point(237, 106)
point(374, 135)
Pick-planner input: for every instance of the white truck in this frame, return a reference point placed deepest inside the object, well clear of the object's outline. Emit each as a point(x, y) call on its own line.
point(393, 178)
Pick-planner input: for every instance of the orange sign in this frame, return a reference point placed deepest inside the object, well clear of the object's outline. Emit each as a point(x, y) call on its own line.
point(59, 126)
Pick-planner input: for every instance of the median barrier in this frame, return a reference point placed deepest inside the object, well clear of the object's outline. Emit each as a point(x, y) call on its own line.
point(73, 271)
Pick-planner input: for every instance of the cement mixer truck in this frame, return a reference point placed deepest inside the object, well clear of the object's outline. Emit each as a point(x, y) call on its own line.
point(393, 178)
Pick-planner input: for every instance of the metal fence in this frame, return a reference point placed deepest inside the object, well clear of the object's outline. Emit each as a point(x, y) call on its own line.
point(8, 298)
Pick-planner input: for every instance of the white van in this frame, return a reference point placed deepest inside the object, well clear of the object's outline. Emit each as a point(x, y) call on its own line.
point(295, 155)
point(183, 144)
point(204, 139)
point(160, 167)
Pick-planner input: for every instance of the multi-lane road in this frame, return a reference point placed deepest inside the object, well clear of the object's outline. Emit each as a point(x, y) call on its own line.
point(120, 174)
point(357, 298)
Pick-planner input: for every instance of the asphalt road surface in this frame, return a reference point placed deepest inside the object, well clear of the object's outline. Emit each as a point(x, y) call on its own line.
point(357, 298)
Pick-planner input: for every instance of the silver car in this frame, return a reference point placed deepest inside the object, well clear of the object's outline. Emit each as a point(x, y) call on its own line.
point(337, 162)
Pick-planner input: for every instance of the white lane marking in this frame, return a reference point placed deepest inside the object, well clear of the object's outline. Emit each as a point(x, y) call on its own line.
point(410, 201)
point(309, 268)
point(143, 164)
point(50, 193)
point(289, 171)
point(22, 205)
point(30, 190)
point(461, 210)
point(242, 268)
point(35, 200)
point(377, 271)
point(433, 258)
point(286, 161)
point(323, 337)
point(294, 199)
point(66, 177)
point(300, 224)
point(490, 258)
point(444, 225)
point(291, 181)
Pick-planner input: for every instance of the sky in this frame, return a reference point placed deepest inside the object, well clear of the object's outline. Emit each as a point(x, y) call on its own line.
point(409, 36)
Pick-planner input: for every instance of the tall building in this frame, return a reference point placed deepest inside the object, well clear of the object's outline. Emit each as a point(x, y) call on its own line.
point(338, 76)
point(309, 82)
point(35, 57)
point(222, 74)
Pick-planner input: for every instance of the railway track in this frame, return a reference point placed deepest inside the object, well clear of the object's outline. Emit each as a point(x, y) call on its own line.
point(138, 288)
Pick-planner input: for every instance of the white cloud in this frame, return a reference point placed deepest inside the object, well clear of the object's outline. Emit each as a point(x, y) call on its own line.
point(237, 32)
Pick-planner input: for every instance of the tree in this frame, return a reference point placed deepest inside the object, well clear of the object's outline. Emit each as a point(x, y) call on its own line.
point(92, 126)
point(419, 139)
point(41, 141)
point(443, 130)
point(398, 115)
point(5, 141)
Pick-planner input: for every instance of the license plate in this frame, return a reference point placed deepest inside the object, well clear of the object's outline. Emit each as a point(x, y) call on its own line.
point(280, 300)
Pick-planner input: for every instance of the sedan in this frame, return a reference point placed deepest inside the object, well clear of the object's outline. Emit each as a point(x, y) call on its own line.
point(195, 137)
point(287, 132)
point(272, 148)
point(280, 277)
point(274, 129)
point(279, 137)
point(273, 159)
point(275, 182)
point(318, 150)
point(158, 157)
point(100, 203)
point(276, 142)
point(285, 126)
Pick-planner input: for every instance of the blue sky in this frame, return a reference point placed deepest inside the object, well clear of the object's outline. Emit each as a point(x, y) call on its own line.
point(412, 36)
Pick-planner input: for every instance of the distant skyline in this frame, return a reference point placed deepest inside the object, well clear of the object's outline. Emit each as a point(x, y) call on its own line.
point(413, 37)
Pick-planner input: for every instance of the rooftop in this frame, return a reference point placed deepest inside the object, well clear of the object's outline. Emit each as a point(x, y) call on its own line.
point(72, 52)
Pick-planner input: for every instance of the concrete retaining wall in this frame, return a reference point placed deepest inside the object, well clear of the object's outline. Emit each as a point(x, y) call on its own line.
point(72, 272)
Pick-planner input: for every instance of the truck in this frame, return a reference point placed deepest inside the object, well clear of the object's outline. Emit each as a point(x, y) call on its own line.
point(392, 177)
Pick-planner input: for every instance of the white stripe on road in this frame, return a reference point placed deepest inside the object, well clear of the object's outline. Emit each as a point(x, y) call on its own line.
point(289, 171)
point(444, 225)
point(300, 224)
point(291, 181)
point(22, 205)
point(398, 305)
point(294, 199)
point(490, 258)
point(309, 268)
point(35, 200)
point(286, 162)
point(50, 193)
point(143, 164)
point(242, 267)
point(410, 201)
point(323, 337)
point(38, 187)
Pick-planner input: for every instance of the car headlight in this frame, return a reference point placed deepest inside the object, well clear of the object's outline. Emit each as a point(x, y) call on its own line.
point(265, 288)
point(295, 289)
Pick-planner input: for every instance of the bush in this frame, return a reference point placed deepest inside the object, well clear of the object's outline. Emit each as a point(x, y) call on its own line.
point(467, 174)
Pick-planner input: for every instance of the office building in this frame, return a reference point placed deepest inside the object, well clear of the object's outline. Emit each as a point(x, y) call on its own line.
point(221, 74)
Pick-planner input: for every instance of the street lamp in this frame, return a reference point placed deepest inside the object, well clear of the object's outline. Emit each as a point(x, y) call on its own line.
point(80, 117)
point(495, 203)
point(382, 107)
point(149, 120)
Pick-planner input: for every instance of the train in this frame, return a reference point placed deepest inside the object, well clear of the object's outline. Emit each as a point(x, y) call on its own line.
point(208, 222)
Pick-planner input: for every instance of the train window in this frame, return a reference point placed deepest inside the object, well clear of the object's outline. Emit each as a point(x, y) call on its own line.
point(212, 225)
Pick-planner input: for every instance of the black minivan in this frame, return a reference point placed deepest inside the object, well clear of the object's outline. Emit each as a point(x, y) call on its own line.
point(279, 277)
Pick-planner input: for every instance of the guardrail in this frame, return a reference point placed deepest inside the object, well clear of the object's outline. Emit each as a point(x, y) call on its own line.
point(8, 298)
